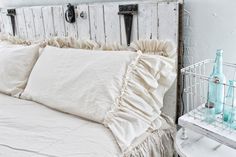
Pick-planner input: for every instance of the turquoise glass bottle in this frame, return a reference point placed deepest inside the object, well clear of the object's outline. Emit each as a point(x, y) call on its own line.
point(216, 87)
point(229, 103)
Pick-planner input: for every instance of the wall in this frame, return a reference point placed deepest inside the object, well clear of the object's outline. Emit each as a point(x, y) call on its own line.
point(209, 25)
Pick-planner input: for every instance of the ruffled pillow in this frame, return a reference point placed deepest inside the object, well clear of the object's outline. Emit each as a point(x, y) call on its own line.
point(122, 90)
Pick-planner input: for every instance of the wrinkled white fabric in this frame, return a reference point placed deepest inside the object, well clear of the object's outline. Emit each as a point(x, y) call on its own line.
point(16, 62)
point(78, 81)
point(122, 90)
point(29, 129)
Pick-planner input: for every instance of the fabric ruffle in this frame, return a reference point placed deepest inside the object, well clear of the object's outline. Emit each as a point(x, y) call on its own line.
point(152, 46)
point(157, 143)
point(155, 47)
point(141, 98)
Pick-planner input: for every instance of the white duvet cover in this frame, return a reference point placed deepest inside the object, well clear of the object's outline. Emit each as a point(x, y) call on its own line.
point(28, 129)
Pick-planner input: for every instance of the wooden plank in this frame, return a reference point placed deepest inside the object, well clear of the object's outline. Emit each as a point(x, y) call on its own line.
point(71, 28)
point(20, 17)
point(83, 24)
point(7, 22)
point(39, 25)
point(48, 21)
point(29, 21)
point(168, 21)
point(112, 23)
point(59, 21)
point(147, 21)
point(97, 23)
point(2, 23)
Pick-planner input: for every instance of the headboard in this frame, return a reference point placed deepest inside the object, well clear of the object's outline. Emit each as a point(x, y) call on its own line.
point(99, 22)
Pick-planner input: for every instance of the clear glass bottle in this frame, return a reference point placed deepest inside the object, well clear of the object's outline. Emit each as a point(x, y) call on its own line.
point(229, 102)
point(209, 112)
point(216, 87)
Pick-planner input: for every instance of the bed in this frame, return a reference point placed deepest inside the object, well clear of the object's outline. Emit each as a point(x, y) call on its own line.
point(28, 128)
point(53, 134)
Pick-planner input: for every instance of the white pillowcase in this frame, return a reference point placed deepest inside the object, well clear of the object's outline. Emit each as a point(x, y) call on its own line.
point(122, 90)
point(16, 63)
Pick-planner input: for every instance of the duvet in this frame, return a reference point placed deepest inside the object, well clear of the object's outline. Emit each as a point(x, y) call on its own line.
point(28, 129)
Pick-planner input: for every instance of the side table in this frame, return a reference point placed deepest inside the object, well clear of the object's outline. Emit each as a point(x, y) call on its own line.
point(197, 145)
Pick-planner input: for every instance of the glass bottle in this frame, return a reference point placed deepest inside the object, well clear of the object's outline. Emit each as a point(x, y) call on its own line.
point(216, 87)
point(209, 112)
point(229, 102)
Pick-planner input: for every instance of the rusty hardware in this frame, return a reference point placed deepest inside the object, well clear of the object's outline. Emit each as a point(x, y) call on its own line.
point(128, 11)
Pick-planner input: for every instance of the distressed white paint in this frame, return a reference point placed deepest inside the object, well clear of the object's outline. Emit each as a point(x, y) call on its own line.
point(97, 22)
point(197, 145)
point(83, 23)
point(112, 23)
point(167, 21)
point(39, 25)
point(2, 29)
point(59, 22)
point(21, 26)
point(6, 22)
point(148, 18)
point(48, 21)
point(20, 3)
point(101, 22)
point(29, 22)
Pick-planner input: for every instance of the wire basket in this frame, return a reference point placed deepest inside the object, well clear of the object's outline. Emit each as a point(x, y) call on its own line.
point(195, 94)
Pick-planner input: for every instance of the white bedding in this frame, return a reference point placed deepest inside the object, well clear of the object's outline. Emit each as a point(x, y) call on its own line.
point(28, 129)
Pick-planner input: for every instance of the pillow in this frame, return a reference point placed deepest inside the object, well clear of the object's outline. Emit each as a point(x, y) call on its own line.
point(16, 62)
point(122, 90)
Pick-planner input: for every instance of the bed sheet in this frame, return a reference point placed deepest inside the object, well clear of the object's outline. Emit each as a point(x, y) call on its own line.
point(29, 129)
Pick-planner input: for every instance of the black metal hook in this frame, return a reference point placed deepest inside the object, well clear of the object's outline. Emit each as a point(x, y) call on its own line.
point(128, 11)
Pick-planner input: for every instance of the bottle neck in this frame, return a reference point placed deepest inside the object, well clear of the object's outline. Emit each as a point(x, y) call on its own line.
point(218, 64)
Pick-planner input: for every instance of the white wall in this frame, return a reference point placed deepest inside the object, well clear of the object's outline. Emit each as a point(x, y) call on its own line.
point(209, 25)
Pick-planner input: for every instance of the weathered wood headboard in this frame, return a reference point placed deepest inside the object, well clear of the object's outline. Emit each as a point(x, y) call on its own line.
point(99, 22)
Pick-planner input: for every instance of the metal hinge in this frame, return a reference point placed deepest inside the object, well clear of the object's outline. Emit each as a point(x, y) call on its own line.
point(128, 11)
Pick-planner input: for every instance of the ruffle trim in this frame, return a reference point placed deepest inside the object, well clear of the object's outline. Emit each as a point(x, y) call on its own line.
point(140, 100)
point(156, 143)
point(157, 47)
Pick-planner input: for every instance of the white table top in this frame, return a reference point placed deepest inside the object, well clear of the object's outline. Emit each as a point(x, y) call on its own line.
point(197, 145)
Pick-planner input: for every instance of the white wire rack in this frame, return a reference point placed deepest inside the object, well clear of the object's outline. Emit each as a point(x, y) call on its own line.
point(196, 81)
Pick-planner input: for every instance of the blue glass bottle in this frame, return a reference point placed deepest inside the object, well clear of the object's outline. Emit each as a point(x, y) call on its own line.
point(229, 103)
point(216, 87)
